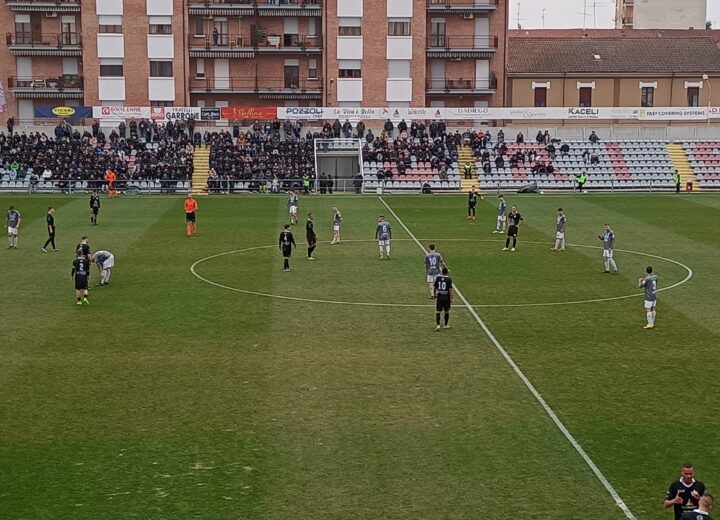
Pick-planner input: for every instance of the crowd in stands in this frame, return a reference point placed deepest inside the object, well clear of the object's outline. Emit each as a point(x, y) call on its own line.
point(414, 144)
point(67, 155)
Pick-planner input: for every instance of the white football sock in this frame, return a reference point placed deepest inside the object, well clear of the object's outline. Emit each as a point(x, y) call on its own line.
point(387, 249)
point(652, 318)
point(382, 250)
point(613, 264)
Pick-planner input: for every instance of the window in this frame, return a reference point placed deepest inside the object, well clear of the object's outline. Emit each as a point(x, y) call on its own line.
point(199, 26)
point(161, 103)
point(693, 95)
point(111, 67)
point(161, 69)
point(160, 29)
point(647, 95)
point(109, 24)
point(349, 26)
point(200, 68)
point(312, 69)
point(349, 31)
point(349, 73)
point(398, 69)
point(399, 28)
point(585, 97)
point(312, 27)
point(540, 96)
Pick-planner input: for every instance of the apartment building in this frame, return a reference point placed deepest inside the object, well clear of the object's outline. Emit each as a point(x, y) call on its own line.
point(253, 53)
point(660, 14)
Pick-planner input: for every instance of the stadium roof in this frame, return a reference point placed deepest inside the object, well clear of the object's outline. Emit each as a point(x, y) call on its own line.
point(533, 55)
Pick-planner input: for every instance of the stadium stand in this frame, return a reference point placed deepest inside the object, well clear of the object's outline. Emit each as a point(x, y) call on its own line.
point(704, 157)
point(38, 162)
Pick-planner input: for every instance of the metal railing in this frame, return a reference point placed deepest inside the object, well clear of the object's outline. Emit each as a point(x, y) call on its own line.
point(450, 85)
point(462, 3)
point(62, 82)
point(277, 41)
point(256, 84)
point(58, 2)
point(263, 3)
point(451, 42)
point(40, 40)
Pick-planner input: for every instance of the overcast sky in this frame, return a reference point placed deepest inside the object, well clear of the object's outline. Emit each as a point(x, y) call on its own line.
point(564, 14)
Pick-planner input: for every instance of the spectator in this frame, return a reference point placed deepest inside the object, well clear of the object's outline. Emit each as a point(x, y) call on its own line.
point(520, 138)
point(360, 129)
point(564, 149)
point(539, 138)
point(388, 127)
point(347, 128)
point(95, 128)
point(499, 162)
point(593, 137)
point(215, 36)
point(501, 136)
point(586, 156)
point(594, 157)
point(336, 127)
point(402, 126)
point(122, 130)
point(10, 125)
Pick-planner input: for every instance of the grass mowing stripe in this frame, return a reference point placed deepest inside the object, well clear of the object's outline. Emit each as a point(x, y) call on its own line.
point(550, 412)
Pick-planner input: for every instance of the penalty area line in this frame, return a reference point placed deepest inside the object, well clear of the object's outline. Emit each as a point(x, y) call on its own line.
point(619, 502)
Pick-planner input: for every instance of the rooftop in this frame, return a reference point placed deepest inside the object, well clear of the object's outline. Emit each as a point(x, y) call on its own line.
point(609, 55)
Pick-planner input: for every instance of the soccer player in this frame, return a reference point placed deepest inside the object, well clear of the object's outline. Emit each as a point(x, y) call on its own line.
point(703, 510)
point(501, 215)
point(311, 236)
point(80, 274)
point(514, 221)
point(684, 495)
point(433, 263)
point(445, 296)
point(94, 208)
point(472, 202)
point(50, 219)
point(293, 206)
point(608, 240)
point(190, 209)
point(383, 234)
point(337, 220)
point(12, 222)
point(85, 248)
point(285, 244)
point(649, 283)
point(105, 261)
point(560, 231)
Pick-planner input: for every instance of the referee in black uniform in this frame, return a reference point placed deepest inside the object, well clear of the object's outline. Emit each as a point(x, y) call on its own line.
point(311, 236)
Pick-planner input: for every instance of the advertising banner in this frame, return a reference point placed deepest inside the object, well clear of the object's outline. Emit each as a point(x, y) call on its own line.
point(248, 113)
point(714, 112)
point(673, 114)
point(49, 112)
point(210, 114)
point(121, 112)
point(181, 113)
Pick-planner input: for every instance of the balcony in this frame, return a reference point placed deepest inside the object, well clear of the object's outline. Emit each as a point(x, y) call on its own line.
point(228, 46)
point(461, 87)
point(256, 7)
point(64, 6)
point(465, 7)
point(266, 88)
point(443, 46)
point(37, 44)
point(68, 86)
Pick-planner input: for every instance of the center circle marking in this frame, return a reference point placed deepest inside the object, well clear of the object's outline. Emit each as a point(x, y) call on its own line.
point(193, 270)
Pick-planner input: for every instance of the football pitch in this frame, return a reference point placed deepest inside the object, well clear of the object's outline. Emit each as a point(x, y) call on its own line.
point(205, 383)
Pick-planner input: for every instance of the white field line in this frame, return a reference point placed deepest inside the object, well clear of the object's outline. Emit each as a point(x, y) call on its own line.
point(548, 410)
point(193, 270)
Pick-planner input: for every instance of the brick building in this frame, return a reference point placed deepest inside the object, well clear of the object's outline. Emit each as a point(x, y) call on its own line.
point(253, 53)
point(612, 68)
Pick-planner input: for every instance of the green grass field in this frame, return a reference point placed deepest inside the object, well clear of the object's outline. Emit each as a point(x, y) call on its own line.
point(173, 398)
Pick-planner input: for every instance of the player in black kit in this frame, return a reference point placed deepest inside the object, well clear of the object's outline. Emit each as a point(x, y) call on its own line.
point(514, 221)
point(50, 218)
point(94, 208)
point(472, 202)
point(80, 274)
point(684, 495)
point(285, 244)
point(311, 236)
point(444, 295)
